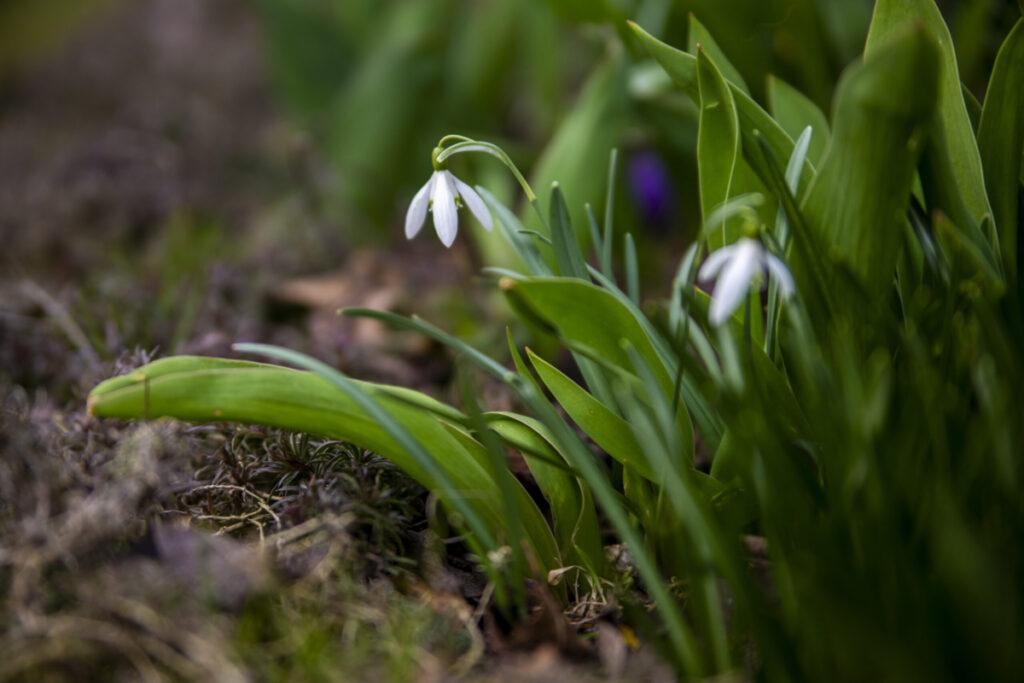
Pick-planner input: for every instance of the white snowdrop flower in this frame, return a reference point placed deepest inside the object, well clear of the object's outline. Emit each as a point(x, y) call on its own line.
point(735, 268)
point(442, 194)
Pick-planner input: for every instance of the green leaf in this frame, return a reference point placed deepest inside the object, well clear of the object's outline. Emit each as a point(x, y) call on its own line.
point(609, 215)
point(718, 145)
point(582, 459)
point(572, 507)
point(973, 107)
point(703, 414)
point(858, 202)
point(795, 112)
point(203, 390)
point(973, 258)
point(699, 38)
point(607, 429)
point(486, 437)
point(782, 236)
point(682, 68)
point(582, 312)
point(513, 229)
point(583, 315)
point(632, 269)
point(1001, 139)
point(952, 169)
point(809, 259)
point(567, 249)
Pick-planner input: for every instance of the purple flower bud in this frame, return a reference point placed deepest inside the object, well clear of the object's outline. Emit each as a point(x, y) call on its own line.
point(651, 187)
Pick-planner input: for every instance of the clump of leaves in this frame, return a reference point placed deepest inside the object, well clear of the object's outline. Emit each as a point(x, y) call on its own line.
point(863, 428)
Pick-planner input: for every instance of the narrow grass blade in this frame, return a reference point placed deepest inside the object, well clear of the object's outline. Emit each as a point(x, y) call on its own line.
point(632, 269)
point(596, 241)
point(512, 228)
point(568, 255)
point(782, 236)
point(609, 216)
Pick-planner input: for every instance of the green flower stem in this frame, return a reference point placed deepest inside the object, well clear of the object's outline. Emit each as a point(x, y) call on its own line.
point(465, 145)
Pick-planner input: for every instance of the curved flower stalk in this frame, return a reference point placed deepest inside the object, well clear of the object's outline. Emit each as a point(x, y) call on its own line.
point(735, 268)
point(443, 193)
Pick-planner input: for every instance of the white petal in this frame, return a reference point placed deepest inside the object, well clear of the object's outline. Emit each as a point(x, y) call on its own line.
point(446, 216)
point(475, 203)
point(734, 283)
point(714, 262)
point(417, 213)
point(778, 270)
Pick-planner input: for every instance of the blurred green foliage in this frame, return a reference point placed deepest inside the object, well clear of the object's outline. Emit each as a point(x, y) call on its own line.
point(376, 83)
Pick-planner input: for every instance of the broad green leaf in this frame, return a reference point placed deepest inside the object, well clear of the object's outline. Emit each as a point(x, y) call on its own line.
point(1001, 139)
point(952, 164)
point(202, 390)
point(795, 112)
point(760, 34)
point(582, 312)
point(973, 107)
point(973, 258)
point(583, 315)
point(606, 428)
point(682, 68)
point(858, 202)
point(676, 433)
point(718, 145)
point(572, 507)
point(699, 38)
point(719, 162)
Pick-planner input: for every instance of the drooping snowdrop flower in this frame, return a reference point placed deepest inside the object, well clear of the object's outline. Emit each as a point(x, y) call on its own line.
point(443, 194)
point(735, 268)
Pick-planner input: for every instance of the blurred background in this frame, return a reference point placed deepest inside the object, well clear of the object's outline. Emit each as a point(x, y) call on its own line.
point(180, 174)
